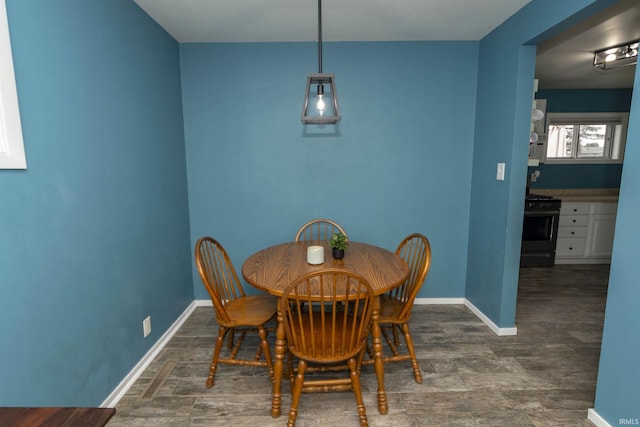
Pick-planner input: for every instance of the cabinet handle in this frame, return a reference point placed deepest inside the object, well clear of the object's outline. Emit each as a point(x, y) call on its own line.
point(570, 248)
point(573, 220)
point(575, 210)
point(573, 232)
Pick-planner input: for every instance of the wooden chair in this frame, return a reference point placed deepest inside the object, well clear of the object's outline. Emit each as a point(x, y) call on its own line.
point(318, 229)
point(396, 306)
point(326, 336)
point(236, 313)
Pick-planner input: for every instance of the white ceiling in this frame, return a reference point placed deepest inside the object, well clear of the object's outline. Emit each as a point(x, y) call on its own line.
point(342, 20)
point(562, 62)
point(565, 62)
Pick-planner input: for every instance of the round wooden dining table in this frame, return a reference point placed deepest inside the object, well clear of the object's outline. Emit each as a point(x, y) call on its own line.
point(273, 268)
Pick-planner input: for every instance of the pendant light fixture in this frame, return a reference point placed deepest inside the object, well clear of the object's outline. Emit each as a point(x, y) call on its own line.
point(320, 98)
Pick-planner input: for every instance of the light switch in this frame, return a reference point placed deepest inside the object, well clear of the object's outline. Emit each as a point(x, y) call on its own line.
point(500, 172)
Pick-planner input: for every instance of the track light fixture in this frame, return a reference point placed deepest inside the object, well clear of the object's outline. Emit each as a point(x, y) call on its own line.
point(616, 56)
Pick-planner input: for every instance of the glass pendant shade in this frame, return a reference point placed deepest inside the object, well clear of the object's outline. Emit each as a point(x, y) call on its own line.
point(321, 100)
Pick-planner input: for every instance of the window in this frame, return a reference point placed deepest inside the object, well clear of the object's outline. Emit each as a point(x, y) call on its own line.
point(586, 137)
point(583, 141)
point(11, 144)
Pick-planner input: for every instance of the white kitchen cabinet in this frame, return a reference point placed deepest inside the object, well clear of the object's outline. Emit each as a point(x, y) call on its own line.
point(572, 231)
point(601, 228)
point(585, 232)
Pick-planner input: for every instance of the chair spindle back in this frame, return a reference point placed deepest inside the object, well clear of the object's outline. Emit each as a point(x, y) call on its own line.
point(416, 251)
point(218, 275)
point(318, 229)
point(326, 315)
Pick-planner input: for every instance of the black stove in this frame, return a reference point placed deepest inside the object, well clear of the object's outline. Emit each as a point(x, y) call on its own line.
point(541, 202)
point(532, 196)
point(539, 230)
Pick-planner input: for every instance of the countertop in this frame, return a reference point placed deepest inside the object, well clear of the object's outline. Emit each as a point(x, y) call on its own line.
point(580, 195)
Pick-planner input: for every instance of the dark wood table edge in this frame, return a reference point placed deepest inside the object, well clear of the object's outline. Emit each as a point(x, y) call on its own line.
point(55, 416)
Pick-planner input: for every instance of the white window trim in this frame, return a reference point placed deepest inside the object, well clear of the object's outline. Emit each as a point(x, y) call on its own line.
point(623, 118)
point(12, 154)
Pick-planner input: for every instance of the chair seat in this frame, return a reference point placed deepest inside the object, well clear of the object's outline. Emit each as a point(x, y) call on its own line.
point(390, 308)
point(252, 310)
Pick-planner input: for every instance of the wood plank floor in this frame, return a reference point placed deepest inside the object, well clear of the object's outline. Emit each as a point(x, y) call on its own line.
point(544, 376)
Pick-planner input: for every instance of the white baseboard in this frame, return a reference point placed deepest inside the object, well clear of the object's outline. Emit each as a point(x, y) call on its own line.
point(479, 314)
point(593, 416)
point(495, 328)
point(454, 301)
point(132, 376)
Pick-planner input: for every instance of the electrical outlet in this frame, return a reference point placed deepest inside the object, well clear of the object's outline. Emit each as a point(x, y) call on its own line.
point(146, 326)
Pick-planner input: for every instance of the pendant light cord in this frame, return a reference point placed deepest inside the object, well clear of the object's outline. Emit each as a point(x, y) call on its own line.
point(320, 36)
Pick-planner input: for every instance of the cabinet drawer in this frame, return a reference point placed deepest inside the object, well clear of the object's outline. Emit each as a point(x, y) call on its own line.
point(574, 247)
point(574, 208)
point(572, 232)
point(573, 220)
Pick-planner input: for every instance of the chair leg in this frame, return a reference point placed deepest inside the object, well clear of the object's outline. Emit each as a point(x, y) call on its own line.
point(360, 360)
point(265, 349)
point(414, 360)
point(222, 331)
point(369, 349)
point(396, 338)
point(231, 338)
point(289, 370)
point(392, 342)
point(357, 390)
point(295, 394)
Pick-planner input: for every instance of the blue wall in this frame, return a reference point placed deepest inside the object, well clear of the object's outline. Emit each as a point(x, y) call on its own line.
point(398, 162)
point(618, 392)
point(587, 101)
point(492, 267)
point(503, 114)
point(577, 176)
point(94, 235)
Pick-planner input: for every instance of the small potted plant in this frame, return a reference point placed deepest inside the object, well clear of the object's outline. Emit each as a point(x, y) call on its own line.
point(338, 242)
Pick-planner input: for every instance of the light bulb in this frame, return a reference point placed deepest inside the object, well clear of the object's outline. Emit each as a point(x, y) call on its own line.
point(611, 57)
point(320, 106)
